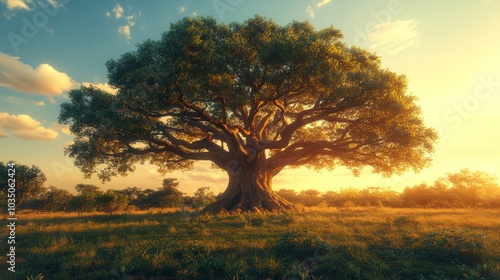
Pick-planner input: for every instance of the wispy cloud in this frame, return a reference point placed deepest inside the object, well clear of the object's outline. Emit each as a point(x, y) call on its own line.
point(25, 127)
point(182, 10)
point(125, 31)
point(17, 4)
point(323, 3)
point(40, 103)
point(59, 127)
point(54, 3)
point(102, 86)
point(395, 36)
point(311, 9)
point(43, 80)
point(118, 13)
point(26, 5)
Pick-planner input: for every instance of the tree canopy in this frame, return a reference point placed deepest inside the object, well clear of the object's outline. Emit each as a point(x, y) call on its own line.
point(252, 98)
point(29, 181)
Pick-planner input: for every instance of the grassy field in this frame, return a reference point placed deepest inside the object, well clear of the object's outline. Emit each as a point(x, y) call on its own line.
point(326, 243)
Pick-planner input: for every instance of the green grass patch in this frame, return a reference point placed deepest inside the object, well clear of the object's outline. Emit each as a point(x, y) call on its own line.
point(322, 244)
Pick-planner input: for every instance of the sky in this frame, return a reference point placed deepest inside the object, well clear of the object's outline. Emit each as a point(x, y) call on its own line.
point(449, 50)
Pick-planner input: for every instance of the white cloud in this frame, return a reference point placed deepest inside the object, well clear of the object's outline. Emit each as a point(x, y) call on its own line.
point(323, 3)
point(40, 103)
point(310, 11)
point(395, 36)
point(130, 20)
point(54, 3)
point(59, 127)
point(182, 9)
point(119, 13)
point(102, 86)
point(17, 4)
point(65, 129)
point(125, 31)
point(25, 127)
point(44, 80)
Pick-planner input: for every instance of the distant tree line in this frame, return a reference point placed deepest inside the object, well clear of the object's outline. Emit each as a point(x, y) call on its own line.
point(90, 198)
point(465, 188)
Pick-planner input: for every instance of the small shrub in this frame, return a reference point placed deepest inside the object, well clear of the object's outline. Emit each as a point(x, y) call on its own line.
point(296, 271)
point(351, 262)
point(450, 246)
point(256, 221)
point(403, 221)
point(380, 204)
point(323, 204)
point(348, 204)
point(265, 267)
point(131, 209)
point(190, 252)
point(481, 272)
point(300, 244)
point(121, 274)
point(286, 219)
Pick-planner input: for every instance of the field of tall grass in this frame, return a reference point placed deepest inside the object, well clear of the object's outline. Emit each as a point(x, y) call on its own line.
point(317, 243)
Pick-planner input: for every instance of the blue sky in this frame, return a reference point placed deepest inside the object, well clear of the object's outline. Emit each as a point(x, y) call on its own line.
point(448, 50)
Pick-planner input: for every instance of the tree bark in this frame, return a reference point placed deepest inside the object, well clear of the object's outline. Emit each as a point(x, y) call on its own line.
point(249, 189)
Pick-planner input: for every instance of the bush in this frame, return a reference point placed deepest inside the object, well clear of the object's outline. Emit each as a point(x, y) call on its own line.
point(480, 272)
point(352, 262)
point(450, 246)
point(403, 221)
point(192, 252)
point(300, 244)
point(286, 219)
point(111, 202)
point(348, 204)
point(256, 220)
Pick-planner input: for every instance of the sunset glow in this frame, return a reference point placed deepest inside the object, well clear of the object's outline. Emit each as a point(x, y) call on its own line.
point(448, 50)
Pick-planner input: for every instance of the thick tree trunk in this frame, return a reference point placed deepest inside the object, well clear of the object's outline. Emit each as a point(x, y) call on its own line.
point(249, 189)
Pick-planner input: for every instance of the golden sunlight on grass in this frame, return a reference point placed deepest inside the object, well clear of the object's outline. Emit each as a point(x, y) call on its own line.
point(371, 242)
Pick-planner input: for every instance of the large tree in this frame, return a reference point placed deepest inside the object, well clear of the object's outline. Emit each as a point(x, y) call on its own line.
point(252, 98)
